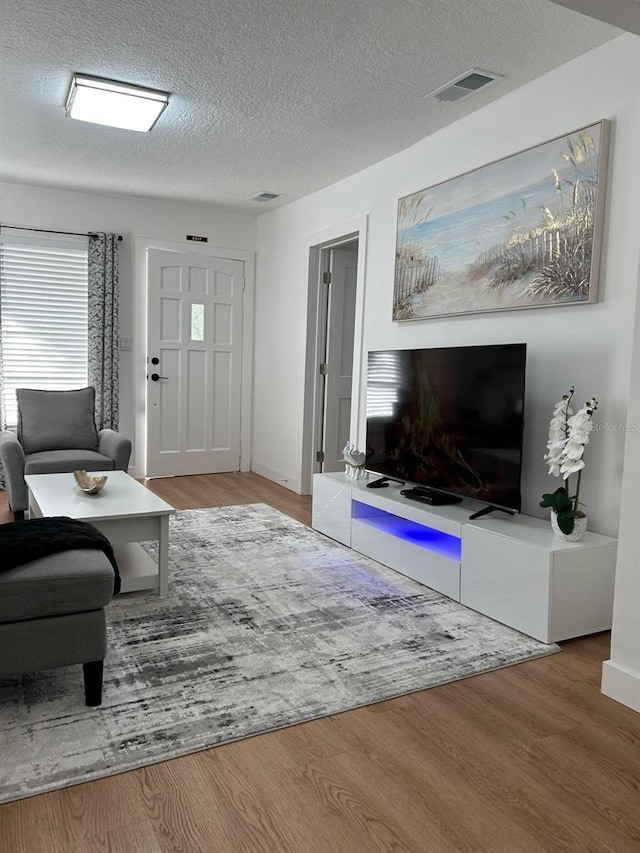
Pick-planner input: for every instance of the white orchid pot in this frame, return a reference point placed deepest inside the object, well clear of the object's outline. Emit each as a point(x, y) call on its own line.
point(579, 528)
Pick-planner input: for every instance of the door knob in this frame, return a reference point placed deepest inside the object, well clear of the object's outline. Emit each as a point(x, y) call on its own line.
point(155, 377)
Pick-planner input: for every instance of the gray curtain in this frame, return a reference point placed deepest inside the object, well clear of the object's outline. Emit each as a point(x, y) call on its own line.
point(2, 415)
point(104, 327)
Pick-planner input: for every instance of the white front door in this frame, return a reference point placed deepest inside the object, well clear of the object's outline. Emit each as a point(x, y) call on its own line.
point(194, 363)
point(339, 355)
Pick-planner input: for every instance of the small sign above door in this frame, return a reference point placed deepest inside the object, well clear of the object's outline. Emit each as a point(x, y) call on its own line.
point(197, 239)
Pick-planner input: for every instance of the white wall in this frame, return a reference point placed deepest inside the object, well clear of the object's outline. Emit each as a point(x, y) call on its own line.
point(39, 207)
point(566, 345)
point(591, 346)
point(621, 674)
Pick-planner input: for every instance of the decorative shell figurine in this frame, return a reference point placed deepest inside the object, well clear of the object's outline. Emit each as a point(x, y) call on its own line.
point(354, 461)
point(89, 485)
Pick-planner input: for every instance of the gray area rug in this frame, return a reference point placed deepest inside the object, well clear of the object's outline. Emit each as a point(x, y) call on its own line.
point(267, 624)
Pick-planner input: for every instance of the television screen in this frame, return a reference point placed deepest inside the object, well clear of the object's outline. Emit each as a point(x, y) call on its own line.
point(449, 418)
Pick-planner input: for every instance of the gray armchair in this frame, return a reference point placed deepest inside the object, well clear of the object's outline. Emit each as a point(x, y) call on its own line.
point(57, 434)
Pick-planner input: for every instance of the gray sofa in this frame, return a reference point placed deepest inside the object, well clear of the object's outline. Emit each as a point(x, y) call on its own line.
point(52, 614)
point(57, 434)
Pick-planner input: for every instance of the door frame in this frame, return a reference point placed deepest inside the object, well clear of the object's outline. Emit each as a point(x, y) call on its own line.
point(317, 248)
point(325, 335)
point(141, 298)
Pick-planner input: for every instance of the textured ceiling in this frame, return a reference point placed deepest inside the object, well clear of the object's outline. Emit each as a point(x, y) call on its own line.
point(280, 95)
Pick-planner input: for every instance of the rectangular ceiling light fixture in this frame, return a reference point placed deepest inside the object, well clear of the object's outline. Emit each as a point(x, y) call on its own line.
point(114, 104)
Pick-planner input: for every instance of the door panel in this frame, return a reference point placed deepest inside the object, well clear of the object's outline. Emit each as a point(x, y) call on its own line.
point(339, 357)
point(195, 329)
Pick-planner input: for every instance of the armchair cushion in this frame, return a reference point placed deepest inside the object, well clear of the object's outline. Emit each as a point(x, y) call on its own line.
point(62, 461)
point(64, 583)
point(56, 420)
point(26, 541)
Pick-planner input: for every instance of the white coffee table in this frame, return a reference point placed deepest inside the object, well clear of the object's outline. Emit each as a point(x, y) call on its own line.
point(124, 511)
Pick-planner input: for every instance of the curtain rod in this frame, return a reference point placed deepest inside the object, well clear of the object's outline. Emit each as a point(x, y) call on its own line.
point(51, 231)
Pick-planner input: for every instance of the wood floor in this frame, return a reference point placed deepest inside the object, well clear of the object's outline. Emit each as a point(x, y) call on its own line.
point(529, 759)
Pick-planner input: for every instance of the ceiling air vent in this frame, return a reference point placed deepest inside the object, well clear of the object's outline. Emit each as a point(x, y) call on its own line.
point(464, 85)
point(264, 196)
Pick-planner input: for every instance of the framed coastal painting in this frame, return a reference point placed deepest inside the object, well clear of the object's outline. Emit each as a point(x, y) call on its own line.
point(523, 232)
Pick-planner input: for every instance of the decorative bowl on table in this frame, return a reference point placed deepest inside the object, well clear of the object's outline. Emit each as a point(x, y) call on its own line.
point(89, 485)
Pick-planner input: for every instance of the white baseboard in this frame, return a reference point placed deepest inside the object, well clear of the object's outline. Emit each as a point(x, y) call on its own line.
point(286, 480)
point(621, 684)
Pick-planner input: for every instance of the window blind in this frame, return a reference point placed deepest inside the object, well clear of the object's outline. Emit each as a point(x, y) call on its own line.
point(43, 305)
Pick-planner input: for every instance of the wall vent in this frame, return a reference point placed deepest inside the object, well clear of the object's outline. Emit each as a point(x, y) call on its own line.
point(264, 196)
point(464, 86)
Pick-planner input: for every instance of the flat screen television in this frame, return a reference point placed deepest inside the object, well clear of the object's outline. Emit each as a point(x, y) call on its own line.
point(449, 418)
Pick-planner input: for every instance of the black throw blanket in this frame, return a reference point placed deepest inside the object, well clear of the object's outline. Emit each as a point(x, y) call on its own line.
point(24, 541)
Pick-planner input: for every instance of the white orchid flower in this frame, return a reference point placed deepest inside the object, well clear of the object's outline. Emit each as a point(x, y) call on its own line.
point(558, 433)
point(568, 435)
point(572, 454)
point(579, 424)
point(554, 450)
point(571, 467)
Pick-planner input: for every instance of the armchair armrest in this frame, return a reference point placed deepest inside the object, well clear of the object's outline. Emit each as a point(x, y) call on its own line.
point(116, 447)
point(12, 459)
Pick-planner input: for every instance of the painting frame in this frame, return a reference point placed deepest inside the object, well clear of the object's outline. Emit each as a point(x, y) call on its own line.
point(524, 231)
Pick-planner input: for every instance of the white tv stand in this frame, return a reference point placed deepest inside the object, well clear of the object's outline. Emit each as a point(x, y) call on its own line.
point(511, 568)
